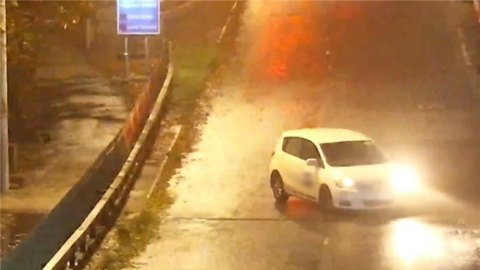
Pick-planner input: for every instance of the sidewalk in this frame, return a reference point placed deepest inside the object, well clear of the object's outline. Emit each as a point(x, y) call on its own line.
point(81, 113)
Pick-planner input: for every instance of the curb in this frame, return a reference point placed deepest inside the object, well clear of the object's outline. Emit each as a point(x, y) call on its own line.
point(227, 23)
point(162, 166)
point(170, 14)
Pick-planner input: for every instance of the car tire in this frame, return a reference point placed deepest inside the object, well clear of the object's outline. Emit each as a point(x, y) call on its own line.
point(325, 200)
point(276, 183)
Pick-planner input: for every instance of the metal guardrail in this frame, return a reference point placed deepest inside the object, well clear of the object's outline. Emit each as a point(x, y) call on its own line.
point(42, 243)
point(121, 158)
point(76, 243)
point(81, 245)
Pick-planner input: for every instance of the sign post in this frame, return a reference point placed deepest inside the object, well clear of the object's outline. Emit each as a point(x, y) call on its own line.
point(147, 54)
point(127, 61)
point(137, 18)
point(4, 157)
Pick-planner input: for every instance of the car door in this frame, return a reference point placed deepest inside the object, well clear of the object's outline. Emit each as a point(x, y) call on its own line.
point(291, 162)
point(309, 176)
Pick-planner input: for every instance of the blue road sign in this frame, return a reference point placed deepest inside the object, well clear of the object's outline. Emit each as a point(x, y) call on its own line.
point(138, 17)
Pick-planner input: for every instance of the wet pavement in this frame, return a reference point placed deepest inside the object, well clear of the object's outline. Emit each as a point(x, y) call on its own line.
point(81, 112)
point(14, 227)
point(393, 70)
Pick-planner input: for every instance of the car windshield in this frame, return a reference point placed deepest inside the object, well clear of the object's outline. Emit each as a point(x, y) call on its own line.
point(354, 153)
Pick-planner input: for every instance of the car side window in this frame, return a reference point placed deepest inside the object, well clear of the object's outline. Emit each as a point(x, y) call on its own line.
point(309, 150)
point(292, 146)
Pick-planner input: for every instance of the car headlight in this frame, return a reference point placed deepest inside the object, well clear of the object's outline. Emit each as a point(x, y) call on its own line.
point(345, 183)
point(404, 179)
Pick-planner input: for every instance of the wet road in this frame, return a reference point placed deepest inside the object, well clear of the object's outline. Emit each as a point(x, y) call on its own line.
point(393, 70)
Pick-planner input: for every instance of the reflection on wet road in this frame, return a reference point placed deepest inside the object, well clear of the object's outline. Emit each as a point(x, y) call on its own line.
point(392, 70)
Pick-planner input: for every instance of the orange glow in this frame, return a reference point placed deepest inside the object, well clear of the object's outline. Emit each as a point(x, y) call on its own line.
point(285, 45)
point(297, 208)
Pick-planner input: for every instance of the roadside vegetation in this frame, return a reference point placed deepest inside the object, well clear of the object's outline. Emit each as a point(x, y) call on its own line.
point(194, 66)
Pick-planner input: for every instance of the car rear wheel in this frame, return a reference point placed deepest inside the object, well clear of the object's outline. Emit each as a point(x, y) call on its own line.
point(278, 189)
point(325, 199)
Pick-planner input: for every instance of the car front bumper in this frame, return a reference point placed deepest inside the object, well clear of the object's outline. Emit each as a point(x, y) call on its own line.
point(345, 199)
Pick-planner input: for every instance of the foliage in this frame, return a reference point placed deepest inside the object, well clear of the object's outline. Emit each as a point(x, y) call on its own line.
point(26, 22)
point(195, 65)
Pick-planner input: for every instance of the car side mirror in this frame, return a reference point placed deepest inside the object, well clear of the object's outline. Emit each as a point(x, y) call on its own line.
point(312, 162)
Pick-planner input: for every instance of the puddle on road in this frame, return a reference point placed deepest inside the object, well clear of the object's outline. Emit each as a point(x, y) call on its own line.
point(14, 227)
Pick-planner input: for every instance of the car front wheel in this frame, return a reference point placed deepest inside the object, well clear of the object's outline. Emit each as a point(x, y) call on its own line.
point(278, 189)
point(325, 199)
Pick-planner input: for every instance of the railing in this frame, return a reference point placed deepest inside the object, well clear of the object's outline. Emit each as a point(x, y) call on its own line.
point(76, 226)
point(81, 245)
point(84, 241)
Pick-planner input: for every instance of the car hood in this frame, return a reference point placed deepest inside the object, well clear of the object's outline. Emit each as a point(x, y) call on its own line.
point(365, 173)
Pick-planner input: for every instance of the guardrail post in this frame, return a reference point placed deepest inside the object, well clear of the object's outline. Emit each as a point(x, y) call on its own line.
point(111, 209)
point(72, 261)
point(105, 216)
point(84, 245)
point(93, 232)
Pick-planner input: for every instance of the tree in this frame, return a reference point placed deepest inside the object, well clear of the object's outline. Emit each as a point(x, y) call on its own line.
point(26, 21)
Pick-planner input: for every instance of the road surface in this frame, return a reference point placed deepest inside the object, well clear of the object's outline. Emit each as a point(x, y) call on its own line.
point(393, 70)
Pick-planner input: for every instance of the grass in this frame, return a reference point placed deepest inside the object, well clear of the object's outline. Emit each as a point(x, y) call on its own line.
point(194, 64)
point(133, 233)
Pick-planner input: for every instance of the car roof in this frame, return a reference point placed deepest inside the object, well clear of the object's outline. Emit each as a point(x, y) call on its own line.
point(327, 135)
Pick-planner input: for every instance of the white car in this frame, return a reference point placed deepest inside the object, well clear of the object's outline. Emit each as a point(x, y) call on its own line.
point(337, 168)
